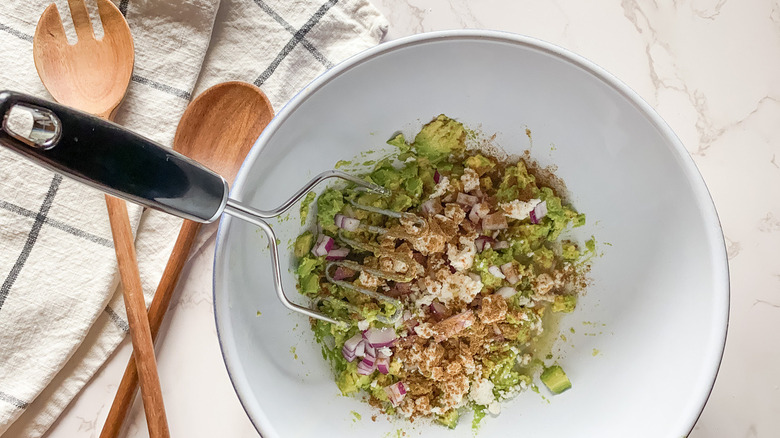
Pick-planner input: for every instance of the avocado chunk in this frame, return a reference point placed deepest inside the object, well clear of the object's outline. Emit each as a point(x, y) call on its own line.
point(564, 303)
point(329, 204)
point(440, 138)
point(310, 284)
point(555, 379)
point(450, 419)
point(480, 163)
point(303, 244)
point(400, 142)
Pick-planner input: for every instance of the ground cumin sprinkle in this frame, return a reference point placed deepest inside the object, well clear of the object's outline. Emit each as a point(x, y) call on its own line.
point(476, 260)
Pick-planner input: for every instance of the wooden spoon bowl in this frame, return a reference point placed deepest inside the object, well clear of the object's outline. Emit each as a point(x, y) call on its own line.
point(91, 75)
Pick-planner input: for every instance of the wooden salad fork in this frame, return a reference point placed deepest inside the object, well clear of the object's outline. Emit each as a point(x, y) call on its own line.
point(93, 75)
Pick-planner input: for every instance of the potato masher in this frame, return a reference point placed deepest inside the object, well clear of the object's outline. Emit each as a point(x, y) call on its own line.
point(115, 160)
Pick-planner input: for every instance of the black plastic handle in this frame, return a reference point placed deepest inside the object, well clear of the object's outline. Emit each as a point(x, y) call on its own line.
point(112, 159)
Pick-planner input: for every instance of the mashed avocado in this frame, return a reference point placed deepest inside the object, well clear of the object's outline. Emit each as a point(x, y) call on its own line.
point(489, 274)
point(329, 203)
point(305, 204)
point(303, 244)
point(439, 139)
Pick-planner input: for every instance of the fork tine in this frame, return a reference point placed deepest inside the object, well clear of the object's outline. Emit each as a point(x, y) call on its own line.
point(80, 15)
point(110, 15)
point(50, 26)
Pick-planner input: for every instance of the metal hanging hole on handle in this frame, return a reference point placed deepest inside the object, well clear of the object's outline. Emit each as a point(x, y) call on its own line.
point(35, 126)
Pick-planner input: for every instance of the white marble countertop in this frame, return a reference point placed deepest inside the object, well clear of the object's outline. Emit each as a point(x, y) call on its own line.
point(711, 68)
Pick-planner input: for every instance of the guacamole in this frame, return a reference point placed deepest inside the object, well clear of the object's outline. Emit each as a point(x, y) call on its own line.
point(443, 286)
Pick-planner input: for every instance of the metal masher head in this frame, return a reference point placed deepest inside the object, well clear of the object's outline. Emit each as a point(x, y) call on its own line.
point(391, 265)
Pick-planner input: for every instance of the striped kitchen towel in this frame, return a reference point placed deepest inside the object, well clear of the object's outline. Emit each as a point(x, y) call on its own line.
point(61, 309)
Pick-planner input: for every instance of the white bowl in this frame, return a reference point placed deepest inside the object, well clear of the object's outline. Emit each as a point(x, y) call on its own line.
point(650, 331)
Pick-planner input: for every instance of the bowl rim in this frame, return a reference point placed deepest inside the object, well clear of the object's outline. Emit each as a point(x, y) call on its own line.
point(701, 193)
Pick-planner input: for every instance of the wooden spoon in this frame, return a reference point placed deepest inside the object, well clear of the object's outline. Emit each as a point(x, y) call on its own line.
point(93, 75)
point(218, 129)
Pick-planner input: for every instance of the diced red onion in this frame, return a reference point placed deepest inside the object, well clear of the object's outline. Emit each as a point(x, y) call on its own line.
point(369, 350)
point(501, 244)
point(396, 393)
point(323, 245)
point(452, 269)
point(341, 273)
point(399, 289)
point(409, 321)
point(475, 276)
point(364, 368)
point(506, 292)
point(430, 206)
point(438, 308)
point(346, 222)
point(347, 355)
point(379, 338)
point(465, 199)
point(353, 342)
point(539, 212)
point(436, 177)
point(496, 272)
point(369, 359)
point(510, 272)
point(473, 216)
point(454, 325)
point(483, 242)
point(383, 365)
point(337, 254)
point(350, 347)
point(478, 212)
point(360, 350)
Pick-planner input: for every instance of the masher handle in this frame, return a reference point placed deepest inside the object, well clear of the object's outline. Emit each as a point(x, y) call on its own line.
point(112, 159)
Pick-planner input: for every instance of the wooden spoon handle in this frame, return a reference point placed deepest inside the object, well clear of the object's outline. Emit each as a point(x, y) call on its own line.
point(162, 299)
point(140, 332)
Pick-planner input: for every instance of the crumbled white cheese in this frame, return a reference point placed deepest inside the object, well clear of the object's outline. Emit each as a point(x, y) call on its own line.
point(368, 280)
point(457, 285)
point(518, 209)
point(494, 408)
point(462, 258)
point(543, 284)
point(481, 392)
point(441, 187)
point(522, 301)
point(362, 325)
point(386, 351)
point(470, 180)
point(424, 330)
point(511, 392)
